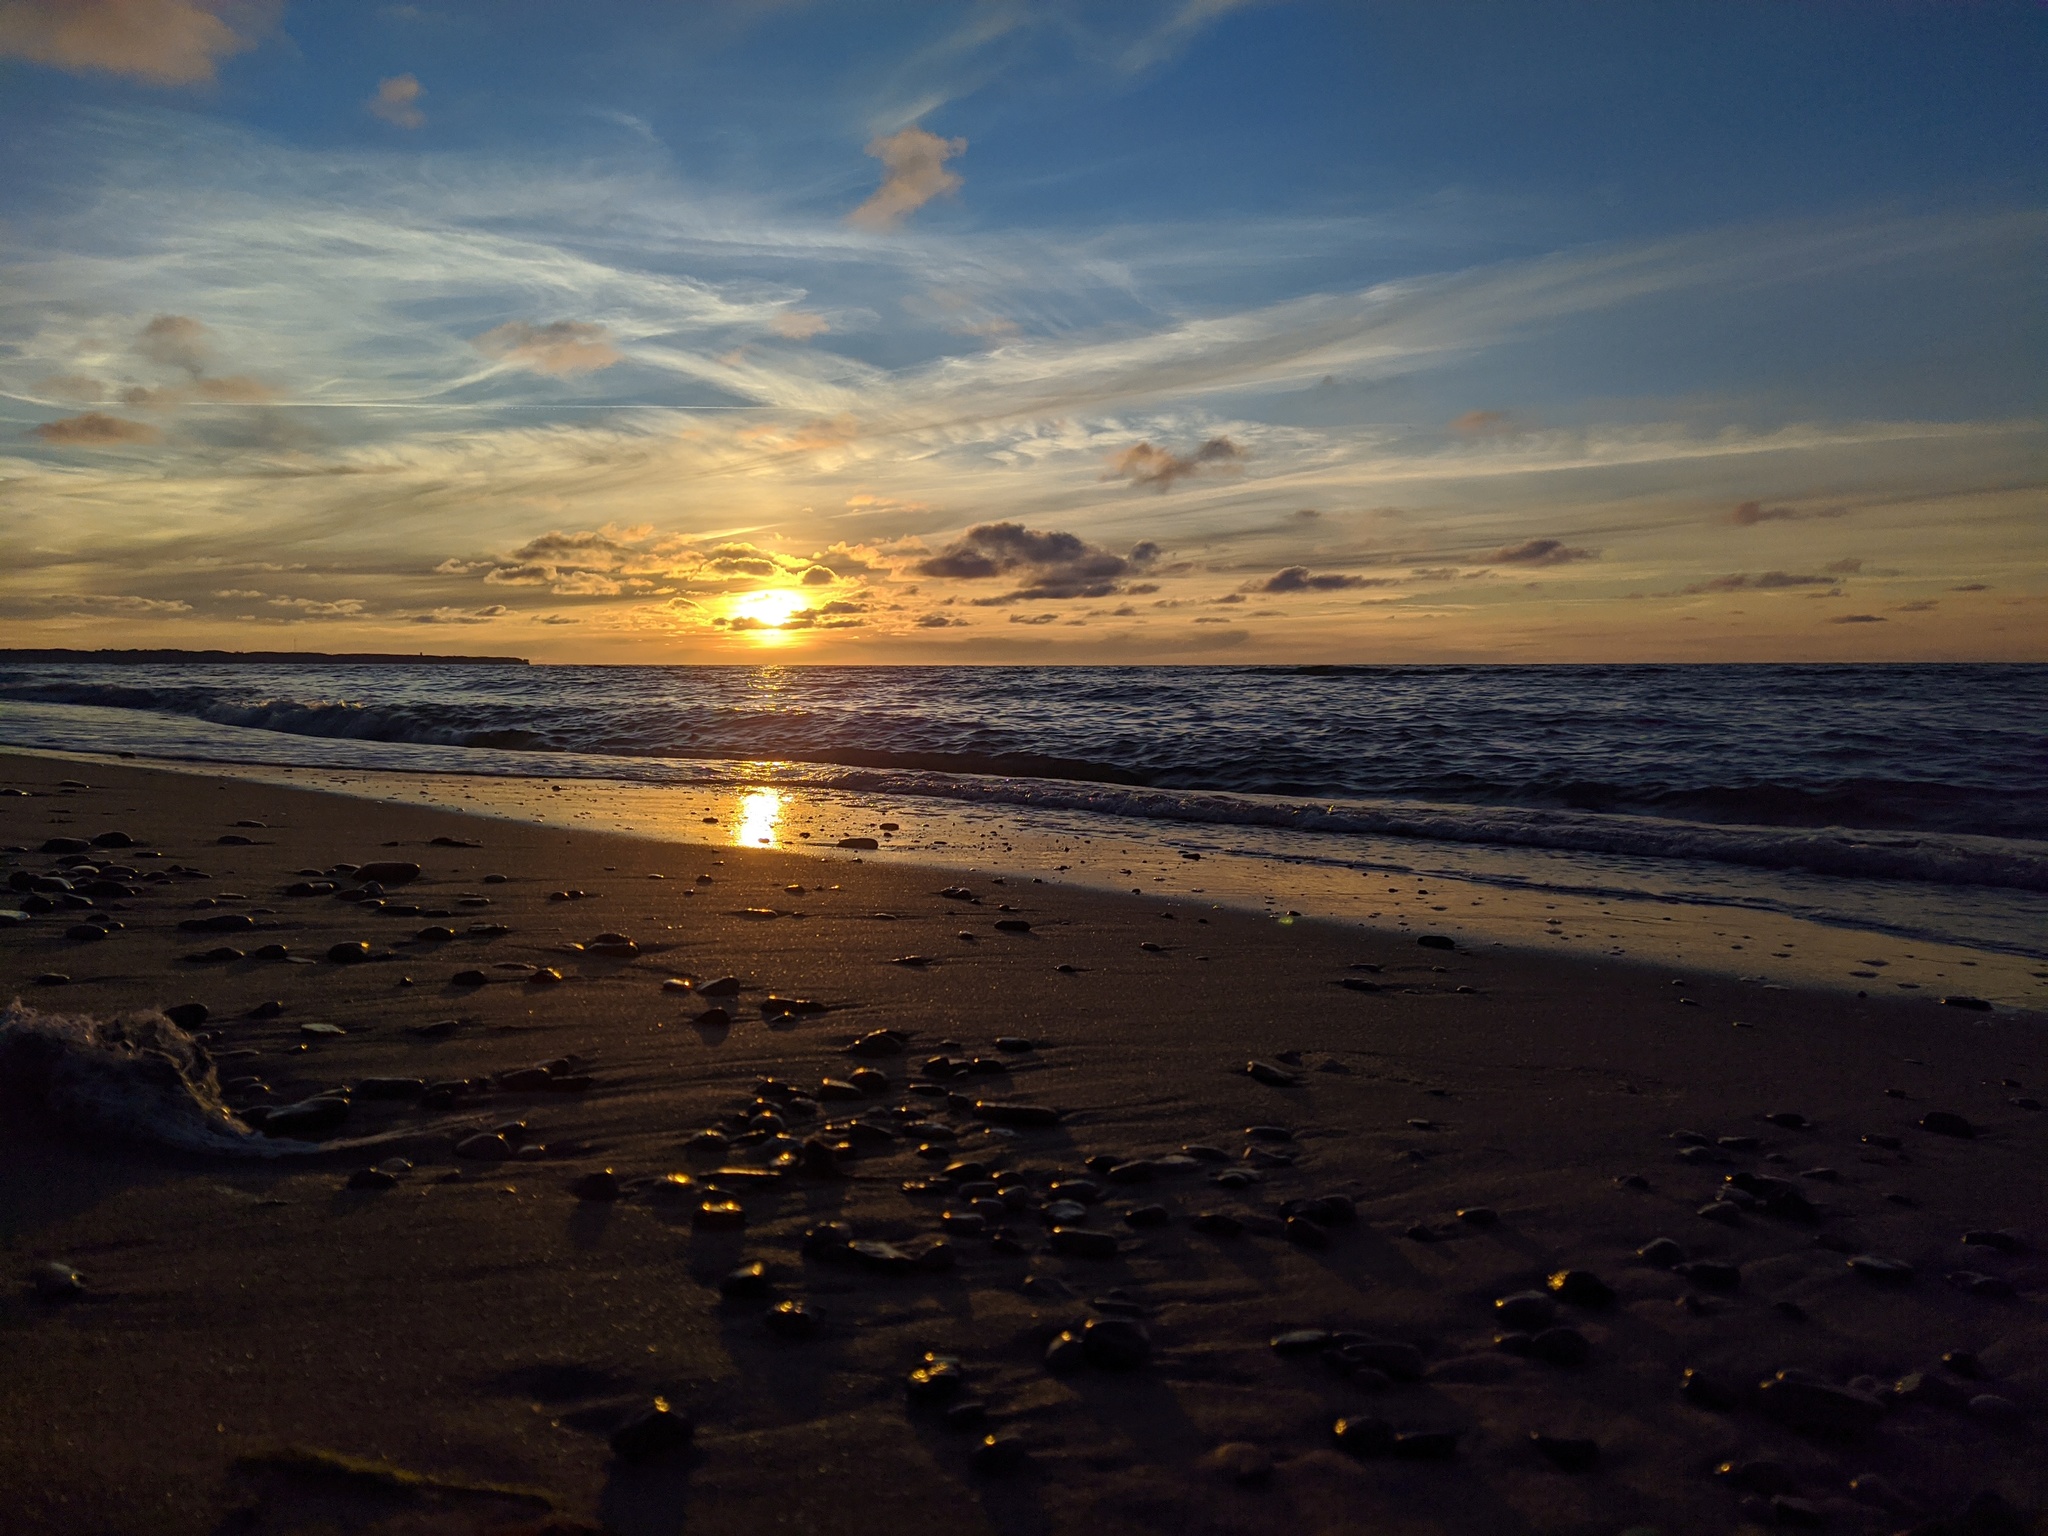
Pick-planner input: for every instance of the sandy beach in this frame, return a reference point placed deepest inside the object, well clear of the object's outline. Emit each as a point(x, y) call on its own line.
point(266, 1340)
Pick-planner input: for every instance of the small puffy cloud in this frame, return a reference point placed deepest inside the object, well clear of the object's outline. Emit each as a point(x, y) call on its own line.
point(176, 341)
point(1857, 618)
point(561, 348)
point(585, 584)
point(913, 173)
point(235, 592)
point(796, 325)
point(1146, 465)
point(819, 576)
point(95, 430)
point(1034, 618)
point(1297, 578)
point(556, 618)
point(1974, 586)
point(940, 621)
point(1750, 513)
point(397, 102)
point(1484, 424)
point(1050, 564)
point(1540, 552)
point(314, 608)
point(164, 42)
point(454, 567)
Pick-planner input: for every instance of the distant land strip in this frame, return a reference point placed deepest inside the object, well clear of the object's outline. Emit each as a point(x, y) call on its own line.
point(270, 658)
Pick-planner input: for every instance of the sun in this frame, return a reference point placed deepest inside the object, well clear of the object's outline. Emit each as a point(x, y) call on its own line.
point(771, 608)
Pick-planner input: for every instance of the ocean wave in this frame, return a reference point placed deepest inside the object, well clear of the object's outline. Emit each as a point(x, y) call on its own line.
point(1953, 859)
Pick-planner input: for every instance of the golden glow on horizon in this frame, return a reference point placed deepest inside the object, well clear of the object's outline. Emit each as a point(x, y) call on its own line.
point(767, 611)
point(760, 815)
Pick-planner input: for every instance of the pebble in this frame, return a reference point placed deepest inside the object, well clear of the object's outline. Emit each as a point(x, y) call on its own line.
point(1704, 1391)
point(57, 1282)
point(1146, 1216)
point(1662, 1252)
point(1525, 1310)
point(719, 1216)
point(2010, 1243)
point(468, 979)
point(1806, 1403)
point(1946, 1123)
point(1763, 1476)
point(939, 1379)
point(1993, 1409)
point(1274, 1077)
point(1362, 1435)
point(1084, 1243)
point(1880, 1270)
point(791, 1320)
point(1479, 1216)
point(371, 1178)
point(656, 1430)
point(1710, 1275)
point(1581, 1288)
point(747, 1281)
point(385, 872)
point(348, 953)
point(998, 1455)
point(1216, 1224)
point(602, 1185)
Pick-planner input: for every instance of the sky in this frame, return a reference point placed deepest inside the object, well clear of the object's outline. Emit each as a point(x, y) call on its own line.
point(1032, 331)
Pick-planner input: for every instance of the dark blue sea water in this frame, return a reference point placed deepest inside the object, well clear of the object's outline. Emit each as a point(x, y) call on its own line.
point(1931, 773)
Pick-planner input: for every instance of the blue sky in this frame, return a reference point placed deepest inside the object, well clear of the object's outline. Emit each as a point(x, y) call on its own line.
point(1018, 331)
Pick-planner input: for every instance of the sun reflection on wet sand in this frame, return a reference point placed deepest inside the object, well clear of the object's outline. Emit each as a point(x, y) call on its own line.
point(760, 816)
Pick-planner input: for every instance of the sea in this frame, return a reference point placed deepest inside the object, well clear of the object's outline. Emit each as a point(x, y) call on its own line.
point(1906, 802)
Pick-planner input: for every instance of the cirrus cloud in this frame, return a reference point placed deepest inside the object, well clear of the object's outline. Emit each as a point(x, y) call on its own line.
point(561, 348)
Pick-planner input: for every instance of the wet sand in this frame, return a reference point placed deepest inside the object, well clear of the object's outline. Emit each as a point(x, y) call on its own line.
point(261, 1349)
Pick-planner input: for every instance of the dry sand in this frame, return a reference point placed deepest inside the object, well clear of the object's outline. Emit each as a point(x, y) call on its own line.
point(262, 1350)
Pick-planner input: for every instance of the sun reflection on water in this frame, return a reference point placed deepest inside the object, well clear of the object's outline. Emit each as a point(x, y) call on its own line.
point(760, 816)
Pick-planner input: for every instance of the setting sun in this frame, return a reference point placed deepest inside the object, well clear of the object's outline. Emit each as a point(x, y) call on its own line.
point(772, 608)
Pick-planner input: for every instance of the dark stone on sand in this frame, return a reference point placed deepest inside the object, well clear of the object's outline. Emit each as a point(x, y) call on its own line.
point(1479, 1216)
point(390, 1087)
point(435, 935)
point(1881, 1271)
point(2010, 1243)
point(791, 1320)
point(1084, 1243)
point(349, 953)
point(1991, 1408)
point(654, 1431)
point(1565, 1453)
point(1012, 925)
point(372, 1178)
point(998, 1455)
point(1989, 1287)
point(1662, 1252)
point(306, 1119)
point(53, 979)
point(1790, 1119)
point(1304, 1233)
point(1526, 1310)
point(1437, 941)
point(1363, 1436)
point(386, 872)
point(1300, 1341)
point(55, 1281)
point(1812, 1406)
point(602, 1185)
point(220, 922)
point(1581, 1288)
point(1560, 1346)
point(1759, 1477)
point(719, 1216)
point(1144, 1216)
point(1241, 1462)
point(1216, 1224)
point(235, 840)
point(1974, 1004)
point(187, 1015)
point(1116, 1343)
point(86, 933)
point(1065, 1353)
point(1274, 1077)
point(468, 979)
point(748, 1281)
point(1704, 1391)
point(485, 1146)
point(113, 840)
point(1946, 1123)
point(938, 1380)
point(66, 845)
point(1402, 1362)
point(1930, 1389)
point(867, 843)
point(1710, 1275)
